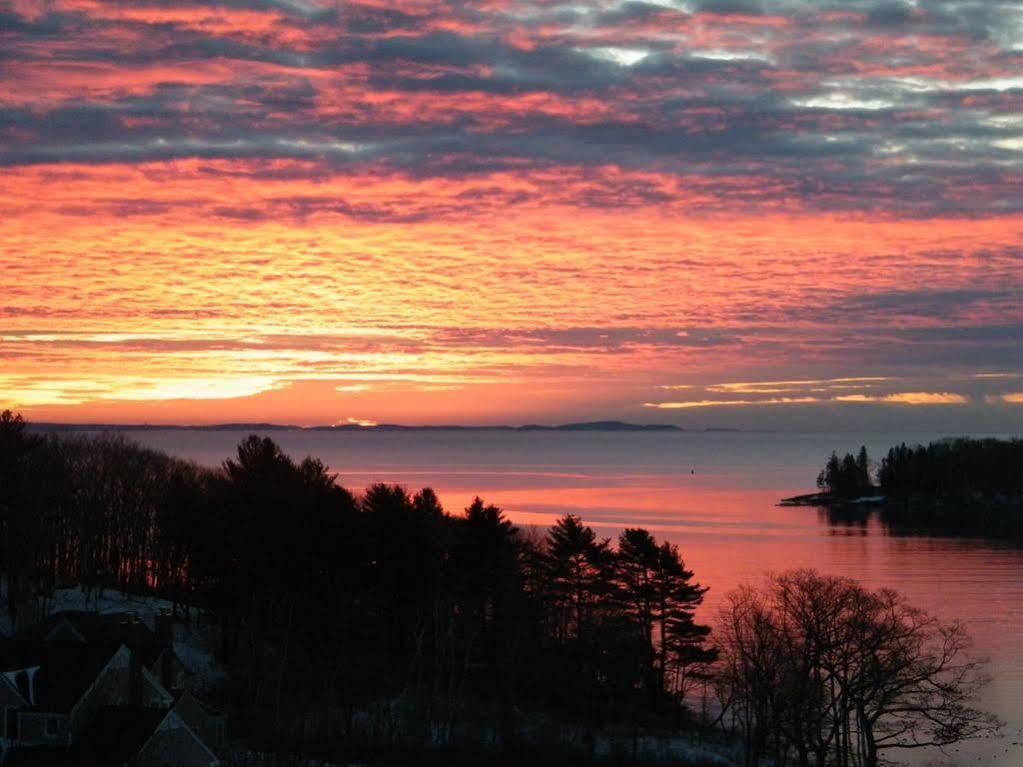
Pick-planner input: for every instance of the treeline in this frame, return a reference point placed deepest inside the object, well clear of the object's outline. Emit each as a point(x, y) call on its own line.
point(847, 477)
point(330, 601)
point(954, 469)
point(974, 484)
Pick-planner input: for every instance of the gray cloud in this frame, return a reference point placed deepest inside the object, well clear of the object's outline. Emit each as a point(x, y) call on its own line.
point(862, 122)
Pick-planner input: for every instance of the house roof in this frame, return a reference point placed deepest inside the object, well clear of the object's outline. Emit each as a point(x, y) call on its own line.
point(117, 734)
point(99, 628)
point(65, 671)
point(193, 712)
point(174, 739)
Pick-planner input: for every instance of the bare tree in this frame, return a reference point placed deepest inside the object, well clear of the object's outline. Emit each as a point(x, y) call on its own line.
point(821, 670)
point(749, 643)
point(914, 684)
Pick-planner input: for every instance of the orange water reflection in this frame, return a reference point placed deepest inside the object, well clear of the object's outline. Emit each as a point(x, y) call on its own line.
point(712, 494)
point(733, 536)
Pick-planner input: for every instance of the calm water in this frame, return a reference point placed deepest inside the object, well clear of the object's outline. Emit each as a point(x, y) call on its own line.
point(714, 495)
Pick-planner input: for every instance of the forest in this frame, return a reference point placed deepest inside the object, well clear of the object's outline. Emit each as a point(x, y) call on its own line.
point(976, 484)
point(954, 469)
point(378, 626)
point(327, 600)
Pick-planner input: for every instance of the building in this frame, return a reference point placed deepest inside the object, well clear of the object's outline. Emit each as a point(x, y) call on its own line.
point(154, 647)
point(87, 690)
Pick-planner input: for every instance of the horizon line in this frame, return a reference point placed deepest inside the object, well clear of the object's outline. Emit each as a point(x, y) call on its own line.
point(598, 425)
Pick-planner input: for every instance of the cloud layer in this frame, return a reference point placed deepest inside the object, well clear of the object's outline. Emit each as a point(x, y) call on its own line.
point(513, 208)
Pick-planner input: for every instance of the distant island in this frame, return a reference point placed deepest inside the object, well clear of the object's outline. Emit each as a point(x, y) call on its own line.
point(584, 426)
point(975, 485)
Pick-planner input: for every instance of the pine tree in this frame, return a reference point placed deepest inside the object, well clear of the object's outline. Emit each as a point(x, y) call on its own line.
point(578, 565)
point(863, 471)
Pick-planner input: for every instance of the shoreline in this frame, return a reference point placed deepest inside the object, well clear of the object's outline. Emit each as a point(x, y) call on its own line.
point(991, 518)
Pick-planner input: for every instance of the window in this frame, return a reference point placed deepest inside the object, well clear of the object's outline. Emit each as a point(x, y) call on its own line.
point(52, 727)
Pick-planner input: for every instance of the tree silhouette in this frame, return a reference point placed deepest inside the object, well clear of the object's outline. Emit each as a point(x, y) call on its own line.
point(660, 599)
point(684, 654)
point(380, 606)
point(578, 565)
point(822, 669)
point(14, 513)
point(847, 477)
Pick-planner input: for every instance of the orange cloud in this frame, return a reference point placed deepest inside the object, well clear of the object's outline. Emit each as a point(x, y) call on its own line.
point(908, 398)
point(408, 210)
point(730, 403)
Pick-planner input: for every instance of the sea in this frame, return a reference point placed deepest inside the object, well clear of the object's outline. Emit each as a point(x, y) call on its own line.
point(715, 494)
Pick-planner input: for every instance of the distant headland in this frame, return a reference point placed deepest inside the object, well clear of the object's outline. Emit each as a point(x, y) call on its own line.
point(362, 427)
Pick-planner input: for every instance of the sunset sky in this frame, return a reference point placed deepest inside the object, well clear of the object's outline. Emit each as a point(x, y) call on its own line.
point(784, 214)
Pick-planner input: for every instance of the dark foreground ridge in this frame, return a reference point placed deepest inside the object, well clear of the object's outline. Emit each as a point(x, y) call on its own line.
point(262, 427)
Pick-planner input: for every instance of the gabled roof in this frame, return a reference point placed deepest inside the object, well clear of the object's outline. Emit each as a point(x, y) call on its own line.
point(116, 734)
point(174, 738)
point(98, 628)
point(65, 671)
point(192, 711)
